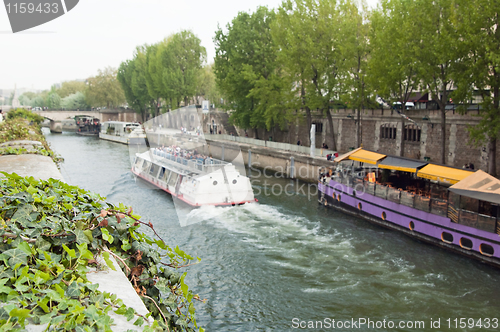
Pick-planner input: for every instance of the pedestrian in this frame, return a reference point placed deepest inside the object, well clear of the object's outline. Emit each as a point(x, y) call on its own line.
point(324, 146)
point(299, 142)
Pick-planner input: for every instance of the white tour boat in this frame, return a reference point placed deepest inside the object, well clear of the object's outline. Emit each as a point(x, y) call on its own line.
point(197, 182)
point(122, 132)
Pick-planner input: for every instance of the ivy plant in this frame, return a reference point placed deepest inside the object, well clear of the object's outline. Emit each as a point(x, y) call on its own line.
point(53, 234)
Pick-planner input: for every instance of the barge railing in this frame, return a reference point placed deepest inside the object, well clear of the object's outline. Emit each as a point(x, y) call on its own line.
point(437, 206)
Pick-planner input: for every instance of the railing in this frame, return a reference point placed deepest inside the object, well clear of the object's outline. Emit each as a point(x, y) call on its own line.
point(435, 206)
point(269, 144)
point(208, 165)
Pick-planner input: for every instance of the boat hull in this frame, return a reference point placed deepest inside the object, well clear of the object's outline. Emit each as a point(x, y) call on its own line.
point(151, 180)
point(415, 223)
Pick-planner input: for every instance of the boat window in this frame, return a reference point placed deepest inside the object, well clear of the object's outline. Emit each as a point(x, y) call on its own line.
point(486, 249)
point(469, 204)
point(234, 181)
point(153, 169)
point(173, 179)
point(412, 225)
point(466, 243)
point(162, 172)
point(447, 237)
point(439, 192)
point(166, 175)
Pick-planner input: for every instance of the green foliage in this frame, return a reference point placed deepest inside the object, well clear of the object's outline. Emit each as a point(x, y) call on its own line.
point(69, 88)
point(180, 58)
point(17, 128)
point(53, 234)
point(132, 77)
point(24, 114)
point(207, 87)
point(246, 70)
point(75, 101)
point(104, 90)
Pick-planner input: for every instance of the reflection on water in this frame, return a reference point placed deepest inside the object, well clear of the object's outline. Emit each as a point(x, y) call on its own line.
point(287, 257)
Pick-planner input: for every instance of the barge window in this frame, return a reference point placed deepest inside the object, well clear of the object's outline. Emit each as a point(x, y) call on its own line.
point(384, 215)
point(466, 243)
point(360, 206)
point(447, 237)
point(486, 249)
point(412, 226)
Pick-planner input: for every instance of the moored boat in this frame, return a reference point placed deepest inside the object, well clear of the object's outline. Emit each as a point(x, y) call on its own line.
point(120, 132)
point(87, 126)
point(192, 178)
point(453, 208)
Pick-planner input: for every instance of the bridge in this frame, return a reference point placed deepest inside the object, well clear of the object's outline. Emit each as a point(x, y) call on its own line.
point(56, 117)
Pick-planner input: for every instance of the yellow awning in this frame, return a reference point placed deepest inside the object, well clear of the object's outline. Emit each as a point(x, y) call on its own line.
point(443, 173)
point(366, 156)
point(345, 155)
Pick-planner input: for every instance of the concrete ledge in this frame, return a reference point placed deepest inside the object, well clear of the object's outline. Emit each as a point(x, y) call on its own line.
point(38, 166)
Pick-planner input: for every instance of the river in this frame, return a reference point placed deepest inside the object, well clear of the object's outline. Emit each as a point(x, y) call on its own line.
point(287, 262)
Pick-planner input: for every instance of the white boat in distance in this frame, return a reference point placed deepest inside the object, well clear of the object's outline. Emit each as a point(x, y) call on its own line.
point(123, 132)
point(195, 181)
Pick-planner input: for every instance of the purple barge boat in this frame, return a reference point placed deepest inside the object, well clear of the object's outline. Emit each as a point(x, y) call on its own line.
point(453, 208)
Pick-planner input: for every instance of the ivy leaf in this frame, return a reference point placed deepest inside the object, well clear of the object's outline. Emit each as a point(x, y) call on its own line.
point(73, 290)
point(71, 252)
point(31, 190)
point(16, 256)
point(139, 321)
point(42, 244)
point(80, 236)
point(22, 214)
point(25, 247)
point(109, 263)
point(106, 236)
point(21, 313)
point(88, 234)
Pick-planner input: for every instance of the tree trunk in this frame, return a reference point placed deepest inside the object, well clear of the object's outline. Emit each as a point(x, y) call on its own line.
point(330, 124)
point(309, 123)
point(443, 137)
point(358, 127)
point(492, 157)
point(402, 151)
point(308, 112)
point(256, 131)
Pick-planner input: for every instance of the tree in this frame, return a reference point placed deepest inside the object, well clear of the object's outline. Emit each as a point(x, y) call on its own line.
point(154, 74)
point(317, 52)
point(437, 54)
point(479, 73)
point(104, 89)
point(24, 100)
point(357, 92)
point(245, 54)
point(131, 75)
point(70, 87)
point(393, 68)
point(75, 101)
point(207, 87)
point(181, 57)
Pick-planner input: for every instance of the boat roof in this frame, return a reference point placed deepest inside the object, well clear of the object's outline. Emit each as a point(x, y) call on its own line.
point(423, 169)
point(401, 164)
point(479, 185)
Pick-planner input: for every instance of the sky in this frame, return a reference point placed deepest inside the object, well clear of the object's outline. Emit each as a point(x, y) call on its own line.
point(100, 33)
